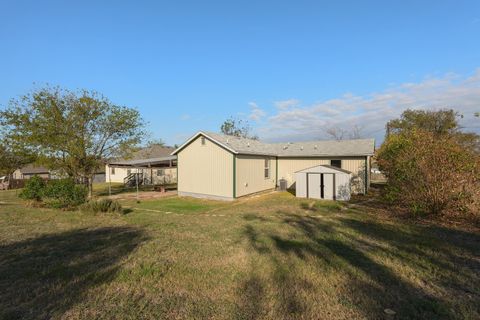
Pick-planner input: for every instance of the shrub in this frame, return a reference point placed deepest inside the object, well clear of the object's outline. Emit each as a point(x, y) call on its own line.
point(64, 193)
point(430, 173)
point(103, 205)
point(33, 189)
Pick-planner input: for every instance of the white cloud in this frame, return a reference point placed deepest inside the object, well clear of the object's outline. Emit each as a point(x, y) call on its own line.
point(285, 104)
point(296, 122)
point(256, 112)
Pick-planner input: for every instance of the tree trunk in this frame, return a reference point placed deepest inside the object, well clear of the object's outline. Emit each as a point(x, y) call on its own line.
point(90, 186)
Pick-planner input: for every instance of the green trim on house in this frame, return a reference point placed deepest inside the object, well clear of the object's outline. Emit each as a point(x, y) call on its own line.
point(366, 174)
point(276, 172)
point(234, 175)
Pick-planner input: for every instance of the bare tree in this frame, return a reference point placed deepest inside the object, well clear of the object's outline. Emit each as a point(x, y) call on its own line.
point(356, 132)
point(338, 133)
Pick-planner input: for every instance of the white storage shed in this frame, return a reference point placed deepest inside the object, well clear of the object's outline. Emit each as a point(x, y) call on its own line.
point(324, 182)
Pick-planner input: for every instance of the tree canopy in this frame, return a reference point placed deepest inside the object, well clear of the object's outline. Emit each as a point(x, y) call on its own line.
point(73, 132)
point(237, 128)
point(438, 122)
point(431, 165)
point(13, 156)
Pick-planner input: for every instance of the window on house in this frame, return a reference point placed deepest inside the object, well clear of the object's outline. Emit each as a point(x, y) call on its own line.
point(203, 140)
point(336, 163)
point(129, 171)
point(267, 169)
point(160, 172)
point(112, 170)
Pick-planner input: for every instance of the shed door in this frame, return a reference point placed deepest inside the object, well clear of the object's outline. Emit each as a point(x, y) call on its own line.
point(313, 185)
point(328, 186)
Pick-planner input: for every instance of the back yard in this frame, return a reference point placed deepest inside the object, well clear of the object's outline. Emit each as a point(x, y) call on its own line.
point(269, 257)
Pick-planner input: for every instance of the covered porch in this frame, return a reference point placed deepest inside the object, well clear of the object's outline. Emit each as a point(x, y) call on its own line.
point(154, 171)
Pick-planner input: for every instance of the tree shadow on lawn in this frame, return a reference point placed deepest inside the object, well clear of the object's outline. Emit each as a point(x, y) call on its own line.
point(43, 277)
point(371, 286)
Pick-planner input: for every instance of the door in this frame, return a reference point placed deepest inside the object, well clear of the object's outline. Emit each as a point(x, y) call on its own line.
point(313, 185)
point(328, 186)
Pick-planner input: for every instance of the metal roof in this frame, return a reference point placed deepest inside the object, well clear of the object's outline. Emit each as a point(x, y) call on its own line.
point(144, 162)
point(320, 148)
point(148, 153)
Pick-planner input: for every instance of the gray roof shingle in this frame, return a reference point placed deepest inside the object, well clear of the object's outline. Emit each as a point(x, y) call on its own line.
point(320, 148)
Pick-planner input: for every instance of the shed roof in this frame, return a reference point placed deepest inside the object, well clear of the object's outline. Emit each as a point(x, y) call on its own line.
point(325, 166)
point(319, 148)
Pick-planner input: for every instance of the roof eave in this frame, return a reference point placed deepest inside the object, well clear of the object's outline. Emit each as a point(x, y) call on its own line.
point(325, 155)
point(201, 133)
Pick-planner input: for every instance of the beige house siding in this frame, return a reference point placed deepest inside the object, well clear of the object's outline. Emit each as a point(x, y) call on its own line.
point(118, 176)
point(170, 174)
point(205, 170)
point(17, 174)
point(250, 176)
point(288, 166)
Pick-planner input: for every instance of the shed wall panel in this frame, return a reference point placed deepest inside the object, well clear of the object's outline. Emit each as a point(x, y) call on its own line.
point(288, 166)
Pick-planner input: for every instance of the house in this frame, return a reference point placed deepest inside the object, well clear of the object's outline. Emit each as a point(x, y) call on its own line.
point(151, 165)
point(217, 166)
point(31, 170)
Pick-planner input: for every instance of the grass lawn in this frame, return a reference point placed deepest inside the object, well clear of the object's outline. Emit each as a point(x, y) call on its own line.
point(270, 257)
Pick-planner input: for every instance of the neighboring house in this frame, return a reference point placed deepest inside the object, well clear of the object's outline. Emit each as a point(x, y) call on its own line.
point(223, 167)
point(4, 183)
point(152, 165)
point(31, 170)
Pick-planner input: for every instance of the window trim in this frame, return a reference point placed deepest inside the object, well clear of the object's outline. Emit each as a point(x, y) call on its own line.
point(267, 166)
point(331, 163)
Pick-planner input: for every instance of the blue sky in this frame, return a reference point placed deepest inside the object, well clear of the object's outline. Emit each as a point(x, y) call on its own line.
point(292, 68)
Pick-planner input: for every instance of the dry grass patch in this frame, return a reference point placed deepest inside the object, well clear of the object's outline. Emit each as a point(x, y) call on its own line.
point(268, 257)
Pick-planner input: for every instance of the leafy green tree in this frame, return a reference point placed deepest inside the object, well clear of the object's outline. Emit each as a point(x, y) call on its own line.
point(430, 173)
point(237, 128)
point(437, 122)
point(73, 132)
point(431, 164)
point(13, 156)
point(440, 122)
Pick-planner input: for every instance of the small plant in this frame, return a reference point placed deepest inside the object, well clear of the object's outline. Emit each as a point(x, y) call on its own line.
point(33, 189)
point(64, 193)
point(103, 206)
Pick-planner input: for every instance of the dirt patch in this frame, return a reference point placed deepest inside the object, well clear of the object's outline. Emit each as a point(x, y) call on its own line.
point(143, 195)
